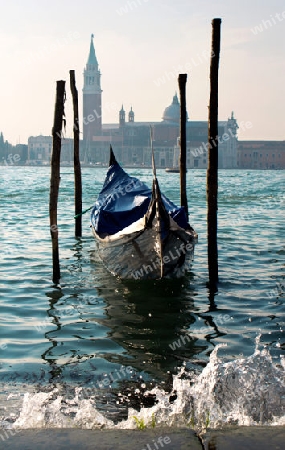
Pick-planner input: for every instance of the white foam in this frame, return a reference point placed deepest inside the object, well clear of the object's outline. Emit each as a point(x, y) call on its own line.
point(246, 391)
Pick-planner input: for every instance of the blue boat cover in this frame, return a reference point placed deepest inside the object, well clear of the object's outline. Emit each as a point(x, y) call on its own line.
point(124, 200)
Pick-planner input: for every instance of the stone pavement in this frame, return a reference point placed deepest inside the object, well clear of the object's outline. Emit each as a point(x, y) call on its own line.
point(234, 438)
point(245, 438)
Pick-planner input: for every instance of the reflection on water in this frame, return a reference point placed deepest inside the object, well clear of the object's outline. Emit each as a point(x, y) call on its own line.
point(126, 323)
point(146, 325)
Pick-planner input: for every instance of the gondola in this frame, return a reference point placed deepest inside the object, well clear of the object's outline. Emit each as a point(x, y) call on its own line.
point(139, 233)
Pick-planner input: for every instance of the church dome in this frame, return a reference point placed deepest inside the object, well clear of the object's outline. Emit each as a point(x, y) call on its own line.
point(172, 112)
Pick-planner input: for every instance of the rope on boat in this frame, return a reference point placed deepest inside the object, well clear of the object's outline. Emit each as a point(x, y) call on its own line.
point(83, 212)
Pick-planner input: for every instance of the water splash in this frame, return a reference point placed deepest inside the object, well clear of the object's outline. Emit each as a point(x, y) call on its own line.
point(246, 391)
point(49, 410)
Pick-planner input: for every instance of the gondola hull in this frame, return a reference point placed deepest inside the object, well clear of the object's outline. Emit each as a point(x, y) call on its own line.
point(143, 254)
point(140, 233)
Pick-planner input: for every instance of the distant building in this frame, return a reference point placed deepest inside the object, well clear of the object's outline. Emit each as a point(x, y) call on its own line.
point(131, 139)
point(261, 155)
point(197, 146)
point(39, 150)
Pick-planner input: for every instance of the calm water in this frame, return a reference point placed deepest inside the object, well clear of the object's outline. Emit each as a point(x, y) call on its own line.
point(98, 344)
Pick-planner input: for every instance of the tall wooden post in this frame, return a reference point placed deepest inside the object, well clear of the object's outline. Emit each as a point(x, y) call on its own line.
point(212, 172)
point(55, 175)
point(182, 79)
point(76, 159)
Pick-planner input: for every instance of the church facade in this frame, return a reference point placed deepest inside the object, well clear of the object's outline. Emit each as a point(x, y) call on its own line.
point(131, 139)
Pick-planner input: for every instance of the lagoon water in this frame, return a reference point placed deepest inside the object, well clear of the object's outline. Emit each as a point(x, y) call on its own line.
point(96, 351)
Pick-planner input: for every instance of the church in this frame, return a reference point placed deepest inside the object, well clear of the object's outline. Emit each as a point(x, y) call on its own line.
point(131, 139)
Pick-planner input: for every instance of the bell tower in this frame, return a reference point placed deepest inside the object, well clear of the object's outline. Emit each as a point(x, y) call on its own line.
point(131, 115)
point(122, 117)
point(92, 97)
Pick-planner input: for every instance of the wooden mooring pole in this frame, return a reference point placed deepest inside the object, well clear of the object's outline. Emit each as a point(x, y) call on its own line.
point(76, 159)
point(55, 175)
point(182, 79)
point(212, 172)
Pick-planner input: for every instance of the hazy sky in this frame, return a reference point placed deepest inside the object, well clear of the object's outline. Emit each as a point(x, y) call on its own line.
point(141, 46)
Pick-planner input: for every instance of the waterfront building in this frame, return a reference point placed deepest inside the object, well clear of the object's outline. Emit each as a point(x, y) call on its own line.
point(131, 139)
point(261, 155)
